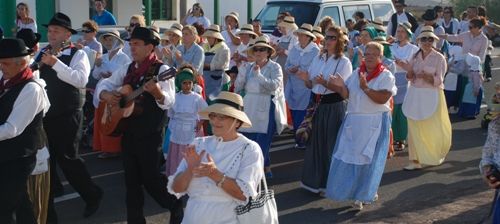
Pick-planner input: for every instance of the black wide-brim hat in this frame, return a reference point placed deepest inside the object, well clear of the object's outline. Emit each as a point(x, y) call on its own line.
point(13, 48)
point(30, 38)
point(429, 15)
point(145, 34)
point(61, 19)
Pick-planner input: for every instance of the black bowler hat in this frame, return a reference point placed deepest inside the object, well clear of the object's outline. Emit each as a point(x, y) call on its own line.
point(13, 48)
point(429, 15)
point(30, 38)
point(402, 2)
point(61, 19)
point(147, 35)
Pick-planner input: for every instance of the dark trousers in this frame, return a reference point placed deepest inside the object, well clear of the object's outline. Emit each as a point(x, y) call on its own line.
point(487, 66)
point(13, 191)
point(141, 160)
point(64, 134)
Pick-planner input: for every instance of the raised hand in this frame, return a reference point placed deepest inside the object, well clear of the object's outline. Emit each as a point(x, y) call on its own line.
point(320, 80)
point(336, 83)
point(363, 84)
point(193, 159)
point(205, 169)
point(294, 69)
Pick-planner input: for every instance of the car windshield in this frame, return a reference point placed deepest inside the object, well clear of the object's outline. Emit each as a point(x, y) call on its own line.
point(303, 13)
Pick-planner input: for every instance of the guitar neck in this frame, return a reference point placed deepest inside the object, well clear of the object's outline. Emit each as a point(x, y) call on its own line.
point(170, 73)
point(134, 95)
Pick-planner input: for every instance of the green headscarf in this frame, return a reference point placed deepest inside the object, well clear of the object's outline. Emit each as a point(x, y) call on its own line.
point(372, 31)
point(185, 74)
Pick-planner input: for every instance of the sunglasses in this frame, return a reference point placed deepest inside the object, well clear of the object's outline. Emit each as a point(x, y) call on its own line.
point(217, 116)
point(261, 49)
point(330, 37)
point(427, 39)
point(87, 31)
point(134, 24)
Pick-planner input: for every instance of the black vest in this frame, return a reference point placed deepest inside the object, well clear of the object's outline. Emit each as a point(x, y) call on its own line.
point(411, 20)
point(448, 30)
point(152, 119)
point(30, 140)
point(63, 96)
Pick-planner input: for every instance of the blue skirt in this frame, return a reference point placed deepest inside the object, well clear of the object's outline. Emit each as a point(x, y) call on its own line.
point(471, 110)
point(359, 182)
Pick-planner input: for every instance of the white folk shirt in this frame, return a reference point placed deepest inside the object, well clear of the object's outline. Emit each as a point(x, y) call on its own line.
point(360, 103)
point(241, 160)
point(77, 73)
point(184, 117)
point(326, 67)
point(116, 81)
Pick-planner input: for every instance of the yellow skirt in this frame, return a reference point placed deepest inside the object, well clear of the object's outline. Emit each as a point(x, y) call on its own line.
point(429, 140)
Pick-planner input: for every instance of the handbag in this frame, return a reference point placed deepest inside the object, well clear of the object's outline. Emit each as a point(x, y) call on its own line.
point(303, 133)
point(261, 209)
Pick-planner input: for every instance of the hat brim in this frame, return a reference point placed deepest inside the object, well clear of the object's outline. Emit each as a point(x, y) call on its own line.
point(232, 16)
point(68, 28)
point(305, 32)
point(111, 35)
point(246, 32)
point(176, 31)
point(428, 34)
point(213, 34)
point(28, 52)
point(250, 49)
point(228, 111)
point(288, 25)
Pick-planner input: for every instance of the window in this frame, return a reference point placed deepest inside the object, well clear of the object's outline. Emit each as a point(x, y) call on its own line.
point(332, 12)
point(304, 13)
point(384, 11)
point(162, 9)
point(350, 10)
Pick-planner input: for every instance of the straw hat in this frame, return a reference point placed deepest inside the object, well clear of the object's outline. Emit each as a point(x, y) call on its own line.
point(381, 40)
point(247, 29)
point(176, 28)
point(427, 31)
point(318, 32)
point(213, 31)
point(261, 41)
point(234, 15)
point(407, 26)
point(378, 24)
point(229, 104)
point(306, 29)
point(112, 33)
point(289, 23)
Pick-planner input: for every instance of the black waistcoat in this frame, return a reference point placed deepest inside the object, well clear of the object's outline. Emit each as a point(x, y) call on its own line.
point(30, 140)
point(63, 96)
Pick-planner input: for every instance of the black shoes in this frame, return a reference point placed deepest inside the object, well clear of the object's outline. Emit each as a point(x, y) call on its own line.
point(92, 206)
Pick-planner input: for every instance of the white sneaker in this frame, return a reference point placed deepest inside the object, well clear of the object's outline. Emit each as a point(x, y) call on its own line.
point(413, 166)
point(358, 205)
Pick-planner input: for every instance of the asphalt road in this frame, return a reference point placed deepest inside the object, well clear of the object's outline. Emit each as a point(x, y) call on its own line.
point(450, 193)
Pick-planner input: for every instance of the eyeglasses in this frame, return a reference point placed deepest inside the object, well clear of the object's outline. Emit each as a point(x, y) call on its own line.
point(330, 37)
point(196, 8)
point(134, 24)
point(427, 39)
point(261, 49)
point(217, 116)
point(87, 31)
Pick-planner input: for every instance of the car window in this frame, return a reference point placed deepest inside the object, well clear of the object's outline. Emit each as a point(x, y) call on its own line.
point(303, 13)
point(384, 11)
point(332, 12)
point(350, 10)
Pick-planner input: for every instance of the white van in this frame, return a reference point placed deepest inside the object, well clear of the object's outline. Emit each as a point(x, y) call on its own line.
point(313, 10)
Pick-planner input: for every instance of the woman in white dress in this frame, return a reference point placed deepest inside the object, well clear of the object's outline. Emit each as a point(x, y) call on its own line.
point(196, 15)
point(222, 171)
point(23, 19)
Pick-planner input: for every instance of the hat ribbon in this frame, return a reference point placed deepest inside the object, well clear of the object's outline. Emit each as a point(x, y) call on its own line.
point(287, 21)
point(214, 30)
point(229, 103)
point(302, 28)
point(247, 29)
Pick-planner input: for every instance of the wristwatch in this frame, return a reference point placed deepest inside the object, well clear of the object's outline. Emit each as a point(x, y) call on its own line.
point(219, 184)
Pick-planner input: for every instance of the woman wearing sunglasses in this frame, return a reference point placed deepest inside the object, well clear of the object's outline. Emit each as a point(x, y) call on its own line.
point(89, 32)
point(264, 99)
point(449, 22)
point(330, 111)
point(429, 127)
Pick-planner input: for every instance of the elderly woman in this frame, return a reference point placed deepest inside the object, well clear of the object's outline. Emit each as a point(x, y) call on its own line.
point(430, 18)
point(171, 52)
point(300, 57)
point(356, 54)
point(429, 127)
point(216, 60)
point(189, 52)
point(401, 50)
point(286, 42)
point(222, 171)
point(246, 34)
point(264, 100)
point(330, 111)
point(360, 152)
point(104, 67)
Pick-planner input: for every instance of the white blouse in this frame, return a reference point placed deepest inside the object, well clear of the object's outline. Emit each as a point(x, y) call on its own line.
point(359, 102)
point(240, 159)
point(326, 67)
point(184, 117)
point(404, 53)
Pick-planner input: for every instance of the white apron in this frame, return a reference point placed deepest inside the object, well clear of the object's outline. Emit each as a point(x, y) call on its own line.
point(420, 103)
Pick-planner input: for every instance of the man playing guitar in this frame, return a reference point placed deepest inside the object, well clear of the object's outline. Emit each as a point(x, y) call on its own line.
point(142, 138)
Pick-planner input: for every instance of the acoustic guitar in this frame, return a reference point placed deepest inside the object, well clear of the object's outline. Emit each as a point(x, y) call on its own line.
point(113, 120)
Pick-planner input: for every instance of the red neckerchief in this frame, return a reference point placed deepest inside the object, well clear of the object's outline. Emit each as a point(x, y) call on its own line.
point(23, 76)
point(374, 74)
point(135, 73)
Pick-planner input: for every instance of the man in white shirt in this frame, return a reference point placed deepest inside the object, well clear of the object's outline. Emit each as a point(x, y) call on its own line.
point(143, 136)
point(22, 104)
point(65, 70)
point(399, 17)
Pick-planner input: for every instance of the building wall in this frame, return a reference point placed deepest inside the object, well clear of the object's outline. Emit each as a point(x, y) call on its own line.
point(227, 6)
point(77, 10)
point(124, 9)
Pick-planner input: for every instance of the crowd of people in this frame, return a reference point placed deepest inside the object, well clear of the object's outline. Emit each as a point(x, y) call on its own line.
point(353, 96)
